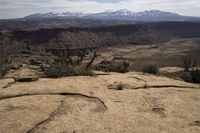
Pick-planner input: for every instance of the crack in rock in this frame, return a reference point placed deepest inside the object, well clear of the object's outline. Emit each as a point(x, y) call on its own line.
point(165, 86)
point(138, 78)
point(9, 84)
point(122, 86)
point(57, 111)
point(62, 94)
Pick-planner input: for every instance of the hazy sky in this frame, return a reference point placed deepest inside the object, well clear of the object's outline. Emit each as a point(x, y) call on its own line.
point(21, 8)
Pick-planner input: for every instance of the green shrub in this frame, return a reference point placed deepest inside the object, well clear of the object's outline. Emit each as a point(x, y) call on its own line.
point(192, 76)
point(63, 70)
point(195, 75)
point(4, 61)
point(61, 60)
point(62, 67)
point(56, 70)
point(4, 69)
point(74, 60)
point(121, 67)
point(82, 71)
point(189, 62)
point(152, 69)
point(186, 76)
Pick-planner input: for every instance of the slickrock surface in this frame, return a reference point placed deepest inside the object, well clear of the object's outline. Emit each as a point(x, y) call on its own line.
point(115, 103)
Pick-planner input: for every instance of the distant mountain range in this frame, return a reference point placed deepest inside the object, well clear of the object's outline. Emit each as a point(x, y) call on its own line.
point(123, 14)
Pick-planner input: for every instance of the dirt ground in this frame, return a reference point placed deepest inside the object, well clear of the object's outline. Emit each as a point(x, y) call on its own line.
point(164, 55)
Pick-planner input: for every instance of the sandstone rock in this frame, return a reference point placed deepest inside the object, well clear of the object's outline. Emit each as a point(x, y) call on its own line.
point(85, 104)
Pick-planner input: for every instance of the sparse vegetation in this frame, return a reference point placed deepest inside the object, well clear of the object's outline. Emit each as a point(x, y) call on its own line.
point(150, 68)
point(64, 69)
point(192, 76)
point(94, 56)
point(4, 61)
point(186, 76)
point(189, 62)
point(121, 67)
point(68, 66)
point(195, 75)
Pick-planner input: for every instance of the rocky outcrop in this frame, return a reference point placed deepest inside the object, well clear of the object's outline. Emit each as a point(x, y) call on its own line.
point(86, 104)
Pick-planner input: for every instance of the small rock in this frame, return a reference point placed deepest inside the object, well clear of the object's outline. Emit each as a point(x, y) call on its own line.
point(195, 123)
point(160, 111)
point(117, 86)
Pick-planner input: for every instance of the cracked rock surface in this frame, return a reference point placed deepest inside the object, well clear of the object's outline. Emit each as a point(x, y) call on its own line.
point(143, 104)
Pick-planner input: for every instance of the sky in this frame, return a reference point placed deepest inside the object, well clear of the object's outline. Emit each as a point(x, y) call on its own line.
point(21, 8)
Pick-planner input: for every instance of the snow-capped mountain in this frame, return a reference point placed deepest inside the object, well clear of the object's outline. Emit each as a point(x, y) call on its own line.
point(123, 14)
point(119, 14)
point(150, 15)
point(157, 13)
point(55, 15)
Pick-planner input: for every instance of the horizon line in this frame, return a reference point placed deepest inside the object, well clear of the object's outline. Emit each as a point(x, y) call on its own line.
point(111, 10)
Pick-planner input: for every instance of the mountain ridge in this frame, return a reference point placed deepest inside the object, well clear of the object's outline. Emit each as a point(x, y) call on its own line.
point(122, 14)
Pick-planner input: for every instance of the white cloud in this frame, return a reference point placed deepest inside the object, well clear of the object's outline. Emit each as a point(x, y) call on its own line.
point(20, 8)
